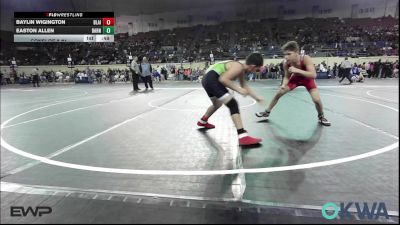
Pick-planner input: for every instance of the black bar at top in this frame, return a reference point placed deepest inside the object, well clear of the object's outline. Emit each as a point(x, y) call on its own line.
point(68, 15)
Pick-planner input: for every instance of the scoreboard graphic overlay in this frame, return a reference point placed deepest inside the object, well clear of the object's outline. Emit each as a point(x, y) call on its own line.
point(64, 26)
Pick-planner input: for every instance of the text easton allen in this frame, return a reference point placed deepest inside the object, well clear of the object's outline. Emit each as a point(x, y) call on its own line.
point(34, 30)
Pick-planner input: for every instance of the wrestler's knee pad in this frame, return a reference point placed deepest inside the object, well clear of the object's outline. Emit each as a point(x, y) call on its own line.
point(233, 106)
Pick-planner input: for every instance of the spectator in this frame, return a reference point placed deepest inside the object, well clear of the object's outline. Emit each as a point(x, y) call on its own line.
point(156, 75)
point(135, 71)
point(371, 69)
point(35, 77)
point(329, 72)
point(164, 72)
point(2, 80)
point(7, 78)
point(387, 69)
point(273, 71)
point(396, 69)
point(335, 70)
point(145, 73)
point(378, 69)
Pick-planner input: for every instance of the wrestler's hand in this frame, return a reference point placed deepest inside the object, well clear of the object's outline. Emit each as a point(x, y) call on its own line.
point(259, 100)
point(293, 69)
point(243, 91)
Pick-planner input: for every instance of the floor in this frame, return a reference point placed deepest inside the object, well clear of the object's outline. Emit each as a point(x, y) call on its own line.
point(103, 153)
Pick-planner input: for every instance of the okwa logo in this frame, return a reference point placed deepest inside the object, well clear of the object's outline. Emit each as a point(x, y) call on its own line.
point(363, 210)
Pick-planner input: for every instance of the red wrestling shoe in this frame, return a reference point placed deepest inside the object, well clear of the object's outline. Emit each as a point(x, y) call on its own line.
point(205, 125)
point(245, 139)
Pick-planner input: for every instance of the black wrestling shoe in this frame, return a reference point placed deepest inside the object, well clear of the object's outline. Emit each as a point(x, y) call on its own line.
point(263, 114)
point(322, 120)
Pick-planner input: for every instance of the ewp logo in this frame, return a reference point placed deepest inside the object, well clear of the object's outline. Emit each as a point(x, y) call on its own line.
point(377, 209)
point(37, 211)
